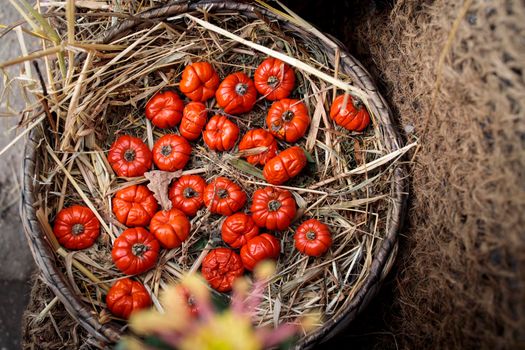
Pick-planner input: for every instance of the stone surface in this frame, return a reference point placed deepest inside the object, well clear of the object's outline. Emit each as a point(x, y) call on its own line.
point(16, 262)
point(12, 305)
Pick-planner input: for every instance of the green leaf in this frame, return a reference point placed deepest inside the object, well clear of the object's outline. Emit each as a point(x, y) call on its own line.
point(288, 343)
point(220, 301)
point(246, 167)
point(309, 157)
point(150, 342)
point(199, 245)
point(156, 343)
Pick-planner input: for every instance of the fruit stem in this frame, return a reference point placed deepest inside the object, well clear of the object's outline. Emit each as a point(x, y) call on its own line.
point(241, 89)
point(287, 116)
point(129, 155)
point(222, 193)
point(189, 192)
point(274, 205)
point(77, 229)
point(310, 235)
point(273, 81)
point(139, 249)
point(166, 150)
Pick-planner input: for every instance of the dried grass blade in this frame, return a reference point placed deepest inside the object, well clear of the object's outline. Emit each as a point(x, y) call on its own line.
point(277, 12)
point(32, 56)
point(316, 118)
point(45, 26)
point(44, 223)
point(368, 166)
point(70, 19)
point(22, 134)
point(44, 311)
point(26, 17)
point(126, 51)
point(23, 48)
point(49, 31)
point(353, 203)
point(63, 189)
point(251, 151)
point(383, 160)
point(69, 128)
point(82, 257)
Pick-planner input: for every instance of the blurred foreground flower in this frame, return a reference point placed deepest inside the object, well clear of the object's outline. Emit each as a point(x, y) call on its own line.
point(191, 322)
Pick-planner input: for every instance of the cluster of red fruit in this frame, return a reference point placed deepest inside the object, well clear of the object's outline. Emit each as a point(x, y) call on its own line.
point(136, 250)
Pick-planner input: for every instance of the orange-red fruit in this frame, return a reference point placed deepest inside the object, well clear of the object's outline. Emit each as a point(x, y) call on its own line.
point(259, 138)
point(221, 267)
point(353, 116)
point(273, 208)
point(312, 238)
point(127, 296)
point(186, 194)
point(194, 119)
point(260, 248)
point(129, 156)
point(199, 81)
point(285, 165)
point(236, 94)
point(165, 109)
point(274, 79)
point(135, 251)
point(288, 119)
point(171, 152)
point(76, 227)
point(134, 205)
point(223, 196)
point(170, 227)
point(220, 133)
point(238, 229)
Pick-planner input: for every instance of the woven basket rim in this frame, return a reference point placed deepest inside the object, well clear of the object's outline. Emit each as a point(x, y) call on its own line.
point(384, 257)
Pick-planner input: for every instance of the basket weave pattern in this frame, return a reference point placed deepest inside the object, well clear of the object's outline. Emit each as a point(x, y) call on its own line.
point(383, 255)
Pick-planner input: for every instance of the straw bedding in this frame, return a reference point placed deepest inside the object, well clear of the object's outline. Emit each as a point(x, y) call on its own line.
point(352, 182)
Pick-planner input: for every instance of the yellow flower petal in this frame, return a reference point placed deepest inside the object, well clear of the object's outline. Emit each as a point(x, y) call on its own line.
point(130, 343)
point(311, 321)
point(225, 331)
point(197, 287)
point(241, 285)
point(264, 270)
point(173, 299)
point(151, 321)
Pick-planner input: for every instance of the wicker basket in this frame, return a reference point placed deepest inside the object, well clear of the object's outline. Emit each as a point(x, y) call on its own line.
point(383, 255)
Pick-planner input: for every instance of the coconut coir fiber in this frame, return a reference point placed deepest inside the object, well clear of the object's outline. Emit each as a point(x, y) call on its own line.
point(462, 269)
point(459, 279)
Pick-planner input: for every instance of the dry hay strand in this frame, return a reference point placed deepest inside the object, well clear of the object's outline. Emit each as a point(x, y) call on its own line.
point(45, 320)
point(349, 182)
